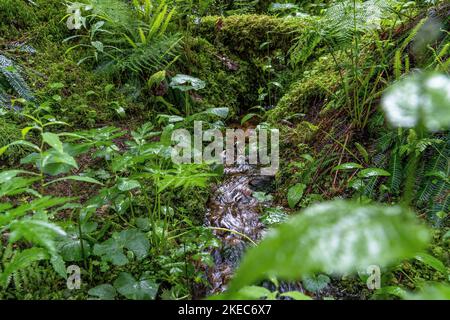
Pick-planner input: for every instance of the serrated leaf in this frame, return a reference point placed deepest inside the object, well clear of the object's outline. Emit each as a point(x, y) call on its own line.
point(22, 260)
point(36, 231)
point(333, 237)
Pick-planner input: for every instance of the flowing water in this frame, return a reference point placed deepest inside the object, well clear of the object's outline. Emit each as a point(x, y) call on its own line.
point(232, 207)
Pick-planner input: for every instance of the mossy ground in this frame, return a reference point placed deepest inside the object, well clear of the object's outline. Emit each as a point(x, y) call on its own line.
point(230, 55)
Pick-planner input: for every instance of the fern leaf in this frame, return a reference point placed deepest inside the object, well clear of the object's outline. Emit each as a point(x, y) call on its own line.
point(396, 173)
point(432, 187)
point(20, 261)
point(14, 78)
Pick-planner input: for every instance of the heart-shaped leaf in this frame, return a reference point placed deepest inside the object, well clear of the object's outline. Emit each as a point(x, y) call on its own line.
point(184, 82)
point(130, 288)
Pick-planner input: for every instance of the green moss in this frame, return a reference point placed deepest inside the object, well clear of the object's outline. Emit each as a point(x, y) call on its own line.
point(40, 20)
point(313, 89)
point(230, 81)
point(251, 35)
point(9, 132)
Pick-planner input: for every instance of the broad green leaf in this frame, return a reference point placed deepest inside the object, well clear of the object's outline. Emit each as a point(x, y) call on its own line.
point(185, 83)
point(295, 295)
point(136, 241)
point(295, 194)
point(20, 261)
point(130, 288)
point(98, 45)
point(16, 185)
point(25, 131)
point(76, 178)
point(3, 149)
point(247, 117)
point(9, 174)
point(220, 112)
point(58, 265)
point(373, 172)
point(70, 249)
point(333, 237)
point(35, 205)
point(113, 249)
point(128, 184)
point(362, 151)
point(103, 292)
point(431, 292)
point(52, 139)
point(419, 98)
point(252, 293)
point(156, 78)
point(348, 166)
point(432, 262)
point(262, 196)
point(391, 291)
point(53, 157)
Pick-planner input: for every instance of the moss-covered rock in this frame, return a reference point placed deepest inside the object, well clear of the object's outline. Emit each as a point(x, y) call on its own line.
point(251, 35)
point(21, 19)
point(313, 90)
point(230, 81)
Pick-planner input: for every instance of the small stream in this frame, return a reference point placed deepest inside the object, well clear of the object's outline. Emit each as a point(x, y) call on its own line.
point(232, 207)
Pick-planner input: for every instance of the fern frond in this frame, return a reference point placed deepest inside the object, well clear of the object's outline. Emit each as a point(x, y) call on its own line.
point(395, 168)
point(434, 188)
point(149, 58)
point(370, 189)
point(412, 35)
point(15, 80)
